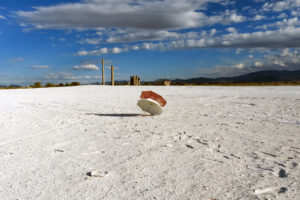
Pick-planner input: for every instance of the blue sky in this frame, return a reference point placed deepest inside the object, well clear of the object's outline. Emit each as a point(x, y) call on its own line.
point(63, 41)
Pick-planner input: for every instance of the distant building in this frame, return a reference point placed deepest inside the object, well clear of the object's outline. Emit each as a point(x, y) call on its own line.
point(166, 82)
point(135, 80)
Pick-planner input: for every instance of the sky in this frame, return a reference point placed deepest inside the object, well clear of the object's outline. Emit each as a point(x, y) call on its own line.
point(61, 41)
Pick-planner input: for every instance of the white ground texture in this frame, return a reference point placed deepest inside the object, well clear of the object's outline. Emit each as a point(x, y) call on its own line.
point(88, 142)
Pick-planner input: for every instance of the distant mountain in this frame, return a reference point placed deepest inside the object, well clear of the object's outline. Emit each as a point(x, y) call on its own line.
point(195, 80)
point(10, 86)
point(14, 86)
point(255, 77)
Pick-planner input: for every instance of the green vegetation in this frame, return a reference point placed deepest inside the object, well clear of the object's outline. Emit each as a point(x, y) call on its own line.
point(50, 85)
point(62, 85)
point(39, 85)
point(75, 83)
point(36, 85)
point(13, 87)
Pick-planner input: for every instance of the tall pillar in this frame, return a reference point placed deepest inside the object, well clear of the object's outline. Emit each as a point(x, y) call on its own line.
point(112, 76)
point(103, 80)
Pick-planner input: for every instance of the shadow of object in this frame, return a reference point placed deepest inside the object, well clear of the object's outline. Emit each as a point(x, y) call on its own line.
point(118, 115)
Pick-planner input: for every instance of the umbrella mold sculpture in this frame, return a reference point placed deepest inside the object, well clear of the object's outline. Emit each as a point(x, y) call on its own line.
point(151, 102)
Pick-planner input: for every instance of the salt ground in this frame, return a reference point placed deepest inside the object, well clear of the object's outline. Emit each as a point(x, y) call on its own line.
point(88, 142)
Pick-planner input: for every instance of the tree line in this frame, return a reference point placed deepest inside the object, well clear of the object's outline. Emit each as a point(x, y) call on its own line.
point(39, 84)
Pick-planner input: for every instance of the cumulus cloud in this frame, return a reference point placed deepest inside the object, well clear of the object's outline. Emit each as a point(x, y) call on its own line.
point(280, 6)
point(283, 38)
point(95, 52)
point(258, 17)
point(102, 51)
point(143, 36)
point(285, 23)
point(116, 50)
point(258, 64)
point(93, 41)
point(280, 63)
point(66, 76)
point(86, 67)
point(231, 30)
point(282, 16)
point(39, 67)
point(213, 31)
point(239, 66)
point(286, 59)
point(93, 14)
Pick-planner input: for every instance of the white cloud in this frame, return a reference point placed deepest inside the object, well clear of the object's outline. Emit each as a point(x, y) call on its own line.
point(82, 53)
point(231, 30)
point(282, 16)
point(151, 15)
point(135, 47)
point(283, 38)
point(239, 66)
point(258, 17)
point(280, 63)
point(39, 67)
point(213, 31)
point(66, 76)
point(86, 67)
point(87, 77)
point(116, 50)
point(280, 6)
point(236, 18)
point(258, 64)
point(103, 51)
point(93, 41)
point(143, 36)
point(2, 17)
point(148, 46)
point(94, 52)
point(285, 23)
point(286, 59)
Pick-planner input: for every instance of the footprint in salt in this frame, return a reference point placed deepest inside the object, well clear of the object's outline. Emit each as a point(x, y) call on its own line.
point(294, 165)
point(280, 173)
point(189, 146)
point(278, 190)
point(97, 173)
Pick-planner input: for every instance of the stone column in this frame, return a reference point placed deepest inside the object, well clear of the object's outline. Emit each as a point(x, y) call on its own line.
point(112, 76)
point(103, 80)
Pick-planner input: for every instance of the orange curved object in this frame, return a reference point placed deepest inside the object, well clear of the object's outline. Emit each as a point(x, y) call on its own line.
point(156, 97)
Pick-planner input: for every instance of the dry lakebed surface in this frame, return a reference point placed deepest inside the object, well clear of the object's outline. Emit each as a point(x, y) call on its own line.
point(90, 142)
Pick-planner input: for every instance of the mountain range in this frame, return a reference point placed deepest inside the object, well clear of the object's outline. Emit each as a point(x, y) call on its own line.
point(254, 77)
